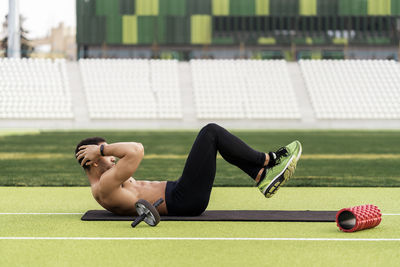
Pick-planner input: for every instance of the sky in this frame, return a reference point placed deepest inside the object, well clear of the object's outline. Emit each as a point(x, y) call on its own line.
point(42, 15)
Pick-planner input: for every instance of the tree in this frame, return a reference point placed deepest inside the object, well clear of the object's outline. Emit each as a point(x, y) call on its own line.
point(26, 48)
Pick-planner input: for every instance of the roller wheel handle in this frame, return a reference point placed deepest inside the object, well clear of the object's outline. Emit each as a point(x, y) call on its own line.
point(147, 212)
point(138, 219)
point(158, 202)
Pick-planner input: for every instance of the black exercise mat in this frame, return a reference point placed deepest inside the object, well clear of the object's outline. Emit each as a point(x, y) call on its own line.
point(228, 215)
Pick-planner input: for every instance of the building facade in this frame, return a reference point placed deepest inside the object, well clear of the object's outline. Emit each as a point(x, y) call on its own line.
point(236, 28)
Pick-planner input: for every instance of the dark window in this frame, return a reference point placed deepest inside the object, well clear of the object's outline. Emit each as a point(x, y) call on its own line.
point(265, 24)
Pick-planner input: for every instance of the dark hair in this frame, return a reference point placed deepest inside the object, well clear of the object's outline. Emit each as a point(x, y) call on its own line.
point(88, 141)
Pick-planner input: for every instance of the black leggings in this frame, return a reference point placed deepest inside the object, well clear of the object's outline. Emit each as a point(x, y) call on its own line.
point(190, 194)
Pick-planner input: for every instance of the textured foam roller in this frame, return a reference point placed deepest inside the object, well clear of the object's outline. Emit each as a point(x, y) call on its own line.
point(358, 218)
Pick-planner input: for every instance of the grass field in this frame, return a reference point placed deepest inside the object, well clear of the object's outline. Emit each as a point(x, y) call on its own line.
point(330, 158)
point(41, 226)
point(64, 240)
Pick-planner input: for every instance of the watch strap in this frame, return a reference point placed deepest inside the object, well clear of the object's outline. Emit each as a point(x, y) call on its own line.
point(102, 150)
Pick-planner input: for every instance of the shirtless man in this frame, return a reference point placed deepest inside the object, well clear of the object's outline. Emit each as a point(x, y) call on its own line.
point(114, 188)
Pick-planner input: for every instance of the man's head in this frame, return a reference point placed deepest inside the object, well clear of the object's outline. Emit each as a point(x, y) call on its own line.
point(89, 141)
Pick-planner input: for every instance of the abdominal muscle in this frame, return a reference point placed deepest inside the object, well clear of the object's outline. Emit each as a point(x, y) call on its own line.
point(150, 191)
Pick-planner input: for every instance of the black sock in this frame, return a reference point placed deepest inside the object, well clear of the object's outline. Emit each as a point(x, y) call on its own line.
point(271, 163)
point(272, 159)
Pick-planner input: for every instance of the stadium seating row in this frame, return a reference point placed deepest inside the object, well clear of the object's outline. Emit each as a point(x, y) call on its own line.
point(34, 89)
point(134, 89)
point(353, 89)
point(222, 89)
point(251, 89)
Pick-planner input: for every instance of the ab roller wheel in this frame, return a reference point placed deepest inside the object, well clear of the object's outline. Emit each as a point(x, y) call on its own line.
point(147, 212)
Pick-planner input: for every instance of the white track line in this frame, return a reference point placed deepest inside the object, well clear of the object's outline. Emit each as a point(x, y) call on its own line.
point(203, 238)
point(78, 213)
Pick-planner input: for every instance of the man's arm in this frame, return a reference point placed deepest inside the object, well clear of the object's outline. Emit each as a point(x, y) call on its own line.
point(130, 155)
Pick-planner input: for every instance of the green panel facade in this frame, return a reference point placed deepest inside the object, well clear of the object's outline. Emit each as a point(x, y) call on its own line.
point(127, 7)
point(225, 22)
point(395, 7)
point(220, 7)
point(91, 28)
point(97, 34)
point(200, 29)
point(178, 30)
point(308, 7)
point(172, 7)
point(262, 7)
point(160, 30)
point(242, 7)
point(327, 7)
point(85, 8)
point(129, 29)
point(146, 29)
point(196, 7)
point(81, 23)
point(107, 7)
point(146, 7)
point(353, 7)
point(114, 29)
point(284, 7)
point(379, 7)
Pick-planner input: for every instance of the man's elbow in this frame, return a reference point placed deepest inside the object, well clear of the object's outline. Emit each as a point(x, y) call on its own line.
point(137, 149)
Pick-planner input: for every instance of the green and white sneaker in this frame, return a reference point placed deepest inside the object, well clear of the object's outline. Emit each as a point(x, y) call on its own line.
point(285, 161)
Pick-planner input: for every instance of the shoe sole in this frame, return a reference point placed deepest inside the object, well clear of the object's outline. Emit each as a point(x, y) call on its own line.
point(287, 173)
point(278, 184)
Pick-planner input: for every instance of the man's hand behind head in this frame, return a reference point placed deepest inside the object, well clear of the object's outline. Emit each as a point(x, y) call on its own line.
point(89, 154)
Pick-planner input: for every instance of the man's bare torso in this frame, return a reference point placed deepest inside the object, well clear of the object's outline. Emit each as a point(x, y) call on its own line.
point(122, 200)
point(112, 184)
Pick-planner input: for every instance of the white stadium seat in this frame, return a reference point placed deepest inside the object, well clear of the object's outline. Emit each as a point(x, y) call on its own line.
point(165, 85)
point(237, 89)
point(131, 89)
point(353, 89)
point(34, 89)
point(222, 89)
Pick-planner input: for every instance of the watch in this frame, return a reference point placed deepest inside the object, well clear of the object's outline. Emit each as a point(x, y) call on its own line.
point(102, 150)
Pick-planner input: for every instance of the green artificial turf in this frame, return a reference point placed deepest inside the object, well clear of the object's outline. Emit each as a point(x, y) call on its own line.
point(196, 252)
point(46, 158)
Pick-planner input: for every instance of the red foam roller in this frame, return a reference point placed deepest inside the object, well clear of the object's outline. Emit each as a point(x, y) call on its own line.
point(358, 218)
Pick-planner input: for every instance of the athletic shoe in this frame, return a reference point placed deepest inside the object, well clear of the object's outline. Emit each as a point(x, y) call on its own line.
point(286, 159)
